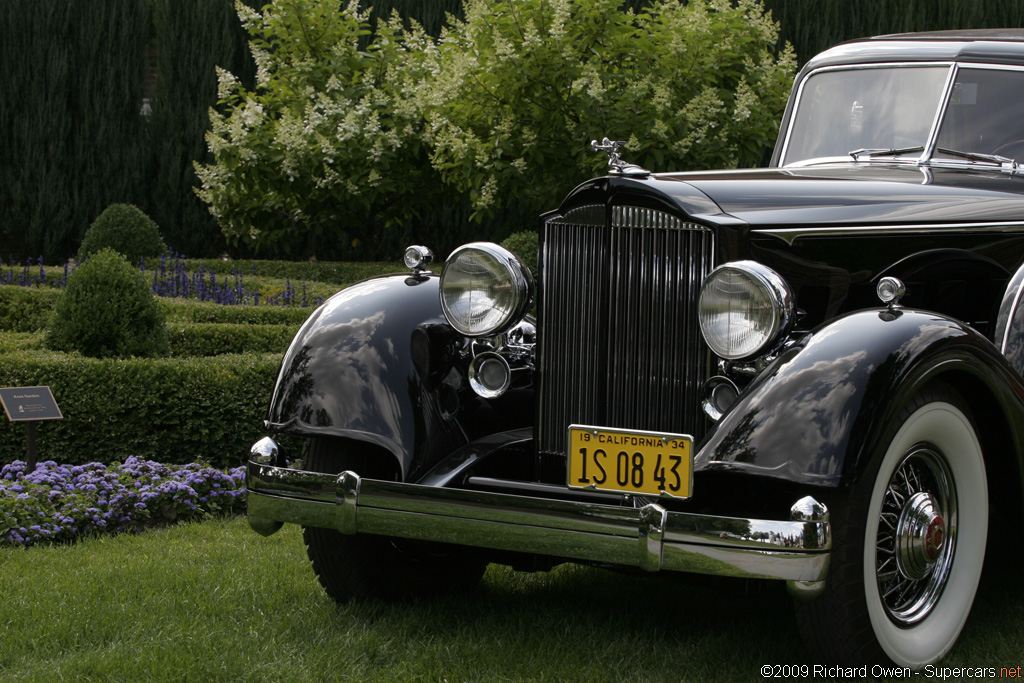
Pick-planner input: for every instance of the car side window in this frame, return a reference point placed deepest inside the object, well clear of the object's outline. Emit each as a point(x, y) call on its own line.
point(985, 113)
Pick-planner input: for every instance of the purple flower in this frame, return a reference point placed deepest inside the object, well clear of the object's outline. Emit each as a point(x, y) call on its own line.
point(58, 503)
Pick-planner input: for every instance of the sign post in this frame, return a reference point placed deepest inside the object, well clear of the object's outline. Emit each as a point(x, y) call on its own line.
point(30, 405)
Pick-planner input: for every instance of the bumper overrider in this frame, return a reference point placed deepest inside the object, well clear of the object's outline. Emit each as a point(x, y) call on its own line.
point(649, 537)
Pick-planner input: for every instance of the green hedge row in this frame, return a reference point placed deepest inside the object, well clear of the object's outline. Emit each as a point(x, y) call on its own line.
point(175, 410)
point(328, 272)
point(25, 309)
point(196, 339)
point(207, 401)
point(190, 311)
point(11, 342)
point(215, 339)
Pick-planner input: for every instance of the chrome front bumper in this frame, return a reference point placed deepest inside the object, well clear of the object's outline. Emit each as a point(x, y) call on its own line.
point(649, 537)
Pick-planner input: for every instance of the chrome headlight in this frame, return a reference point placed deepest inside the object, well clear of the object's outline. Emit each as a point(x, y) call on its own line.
point(745, 309)
point(484, 289)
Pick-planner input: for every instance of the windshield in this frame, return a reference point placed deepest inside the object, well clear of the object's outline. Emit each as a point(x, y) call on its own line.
point(843, 110)
point(888, 111)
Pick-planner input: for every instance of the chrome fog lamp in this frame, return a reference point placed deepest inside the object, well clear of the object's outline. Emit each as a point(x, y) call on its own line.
point(484, 289)
point(745, 308)
point(417, 258)
point(489, 375)
point(890, 290)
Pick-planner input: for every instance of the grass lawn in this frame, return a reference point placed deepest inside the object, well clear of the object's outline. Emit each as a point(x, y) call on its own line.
point(215, 602)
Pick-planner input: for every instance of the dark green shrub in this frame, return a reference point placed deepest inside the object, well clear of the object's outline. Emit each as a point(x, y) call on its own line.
point(524, 245)
point(107, 310)
point(125, 229)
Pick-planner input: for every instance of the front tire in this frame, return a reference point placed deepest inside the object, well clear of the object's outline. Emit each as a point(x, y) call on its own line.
point(363, 566)
point(909, 543)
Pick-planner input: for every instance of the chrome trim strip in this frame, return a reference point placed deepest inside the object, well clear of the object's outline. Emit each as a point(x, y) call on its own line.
point(792, 234)
point(1008, 309)
point(648, 537)
point(940, 115)
point(989, 66)
point(536, 489)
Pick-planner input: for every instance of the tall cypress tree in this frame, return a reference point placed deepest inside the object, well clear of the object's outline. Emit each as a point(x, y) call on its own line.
point(814, 26)
point(35, 123)
point(70, 130)
point(107, 149)
point(191, 38)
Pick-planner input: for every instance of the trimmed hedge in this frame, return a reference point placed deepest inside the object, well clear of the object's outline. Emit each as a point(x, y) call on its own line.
point(188, 339)
point(191, 311)
point(20, 341)
point(215, 339)
point(175, 410)
point(26, 309)
point(208, 401)
point(328, 272)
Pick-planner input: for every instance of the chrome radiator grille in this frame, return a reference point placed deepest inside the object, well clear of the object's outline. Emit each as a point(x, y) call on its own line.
point(619, 344)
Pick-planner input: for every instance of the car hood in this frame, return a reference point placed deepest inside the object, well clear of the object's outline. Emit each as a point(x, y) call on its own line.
point(846, 194)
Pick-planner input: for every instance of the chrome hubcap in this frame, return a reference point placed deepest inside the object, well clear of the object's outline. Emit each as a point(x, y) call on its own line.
point(916, 536)
point(920, 534)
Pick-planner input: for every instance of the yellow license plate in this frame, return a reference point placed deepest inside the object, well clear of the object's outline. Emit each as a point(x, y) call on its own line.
point(629, 461)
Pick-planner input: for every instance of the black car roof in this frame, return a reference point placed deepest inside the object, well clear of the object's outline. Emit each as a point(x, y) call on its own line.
point(1011, 34)
point(990, 46)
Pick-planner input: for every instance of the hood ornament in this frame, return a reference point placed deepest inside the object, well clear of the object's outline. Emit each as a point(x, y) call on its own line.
point(618, 166)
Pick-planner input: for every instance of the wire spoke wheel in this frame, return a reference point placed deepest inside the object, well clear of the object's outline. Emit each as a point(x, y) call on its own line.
point(909, 540)
point(916, 536)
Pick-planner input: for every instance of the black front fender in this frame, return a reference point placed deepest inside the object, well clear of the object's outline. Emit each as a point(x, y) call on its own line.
point(377, 363)
point(815, 414)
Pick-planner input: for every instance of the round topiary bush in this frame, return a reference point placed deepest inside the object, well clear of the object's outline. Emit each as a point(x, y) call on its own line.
point(107, 310)
point(125, 229)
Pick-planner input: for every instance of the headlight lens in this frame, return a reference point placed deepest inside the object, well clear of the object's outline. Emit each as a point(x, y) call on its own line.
point(484, 289)
point(745, 309)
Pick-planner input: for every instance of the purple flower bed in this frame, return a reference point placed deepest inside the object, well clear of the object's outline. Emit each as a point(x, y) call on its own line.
point(60, 503)
point(32, 274)
point(172, 279)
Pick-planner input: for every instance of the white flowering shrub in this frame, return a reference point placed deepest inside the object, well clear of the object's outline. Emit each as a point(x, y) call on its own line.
point(332, 139)
point(345, 142)
point(521, 88)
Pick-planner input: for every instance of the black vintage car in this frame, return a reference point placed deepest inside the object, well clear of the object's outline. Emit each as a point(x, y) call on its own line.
point(810, 373)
